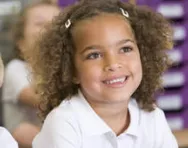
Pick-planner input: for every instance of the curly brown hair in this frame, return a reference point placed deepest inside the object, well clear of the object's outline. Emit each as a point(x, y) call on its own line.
point(53, 62)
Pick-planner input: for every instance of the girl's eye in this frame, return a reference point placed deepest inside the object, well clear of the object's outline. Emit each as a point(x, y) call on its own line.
point(126, 49)
point(94, 55)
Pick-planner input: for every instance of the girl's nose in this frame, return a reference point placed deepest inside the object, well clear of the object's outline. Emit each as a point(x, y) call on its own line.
point(112, 63)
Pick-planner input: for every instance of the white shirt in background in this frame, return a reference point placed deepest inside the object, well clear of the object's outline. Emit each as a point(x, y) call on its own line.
point(6, 140)
point(74, 124)
point(16, 78)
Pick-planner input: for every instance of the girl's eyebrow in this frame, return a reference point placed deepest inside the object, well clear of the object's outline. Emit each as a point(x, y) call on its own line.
point(93, 47)
point(125, 41)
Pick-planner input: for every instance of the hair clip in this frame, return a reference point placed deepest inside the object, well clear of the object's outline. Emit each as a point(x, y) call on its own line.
point(68, 23)
point(125, 13)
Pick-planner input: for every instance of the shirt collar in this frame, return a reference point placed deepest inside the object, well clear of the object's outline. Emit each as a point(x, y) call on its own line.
point(89, 121)
point(92, 124)
point(134, 111)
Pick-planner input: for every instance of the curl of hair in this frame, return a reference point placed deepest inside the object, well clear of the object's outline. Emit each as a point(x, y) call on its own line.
point(53, 58)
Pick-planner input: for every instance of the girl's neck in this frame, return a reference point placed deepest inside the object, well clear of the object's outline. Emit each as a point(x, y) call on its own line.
point(116, 116)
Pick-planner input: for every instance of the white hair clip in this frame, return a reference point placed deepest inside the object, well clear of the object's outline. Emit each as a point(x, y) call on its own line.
point(125, 13)
point(68, 23)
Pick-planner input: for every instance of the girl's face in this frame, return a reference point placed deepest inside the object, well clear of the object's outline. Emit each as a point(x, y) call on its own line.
point(107, 59)
point(36, 18)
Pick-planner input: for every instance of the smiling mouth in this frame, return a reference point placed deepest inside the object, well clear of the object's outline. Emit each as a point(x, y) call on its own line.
point(116, 81)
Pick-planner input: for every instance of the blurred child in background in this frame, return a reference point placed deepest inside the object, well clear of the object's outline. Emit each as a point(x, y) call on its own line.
point(19, 98)
point(6, 139)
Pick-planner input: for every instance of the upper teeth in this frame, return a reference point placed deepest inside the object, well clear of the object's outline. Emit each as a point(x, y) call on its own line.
point(116, 80)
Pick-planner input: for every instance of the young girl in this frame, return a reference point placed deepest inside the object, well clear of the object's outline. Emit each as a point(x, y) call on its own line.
point(97, 68)
point(18, 95)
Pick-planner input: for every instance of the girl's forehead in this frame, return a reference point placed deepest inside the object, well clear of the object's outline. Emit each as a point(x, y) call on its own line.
point(102, 17)
point(105, 30)
point(98, 22)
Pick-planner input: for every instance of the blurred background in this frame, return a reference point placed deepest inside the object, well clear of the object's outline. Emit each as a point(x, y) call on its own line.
point(174, 99)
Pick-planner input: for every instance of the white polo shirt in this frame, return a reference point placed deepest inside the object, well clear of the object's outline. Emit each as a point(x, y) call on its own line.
point(6, 140)
point(16, 78)
point(74, 124)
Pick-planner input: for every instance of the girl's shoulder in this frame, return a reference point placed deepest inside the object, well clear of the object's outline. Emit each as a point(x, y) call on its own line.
point(63, 111)
point(157, 115)
point(15, 65)
point(151, 125)
point(61, 118)
point(63, 126)
point(16, 62)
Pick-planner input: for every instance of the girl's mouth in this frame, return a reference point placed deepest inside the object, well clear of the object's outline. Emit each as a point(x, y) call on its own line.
point(116, 81)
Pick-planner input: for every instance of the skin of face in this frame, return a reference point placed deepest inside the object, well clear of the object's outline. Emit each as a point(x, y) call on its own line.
point(107, 59)
point(36, 18)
